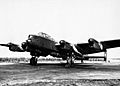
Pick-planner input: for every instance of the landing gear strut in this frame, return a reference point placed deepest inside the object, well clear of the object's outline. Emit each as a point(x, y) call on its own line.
point(33, 61)
point(105, 54)
point(70, 61)
point(82, 61)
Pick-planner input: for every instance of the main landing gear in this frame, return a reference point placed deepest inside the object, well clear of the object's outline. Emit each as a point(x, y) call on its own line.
point(105, 55)
point(33, 61)
point(70, 61)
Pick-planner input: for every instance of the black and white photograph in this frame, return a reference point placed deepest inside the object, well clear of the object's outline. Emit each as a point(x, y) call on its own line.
point(59, 42)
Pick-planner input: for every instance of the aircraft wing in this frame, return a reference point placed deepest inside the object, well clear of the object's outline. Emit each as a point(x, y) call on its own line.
point(13, 47)
point(111, 43)
point(85, 48)
point(94, 46)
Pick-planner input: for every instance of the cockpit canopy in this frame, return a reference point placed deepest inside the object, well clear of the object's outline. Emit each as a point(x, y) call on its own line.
point(44, 35)
point(41, 35)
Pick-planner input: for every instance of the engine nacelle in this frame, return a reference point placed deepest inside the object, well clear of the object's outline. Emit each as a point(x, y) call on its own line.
point(24, 45)
point(65, 45)
point(14, 47)
point(62, 42)
point(95, 44)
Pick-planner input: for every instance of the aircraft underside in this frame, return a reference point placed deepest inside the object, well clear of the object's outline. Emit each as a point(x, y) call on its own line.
point(70, 58)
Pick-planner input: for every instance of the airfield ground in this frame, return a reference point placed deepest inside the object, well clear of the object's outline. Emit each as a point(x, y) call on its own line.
point(53, 73)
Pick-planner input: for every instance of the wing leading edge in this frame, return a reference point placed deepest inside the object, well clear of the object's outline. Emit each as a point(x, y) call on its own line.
point(86, 48)
point(111, 44)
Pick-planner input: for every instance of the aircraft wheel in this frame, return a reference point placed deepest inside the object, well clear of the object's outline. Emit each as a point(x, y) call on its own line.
point(82, 61)
point(70, 61)
point(33, 61)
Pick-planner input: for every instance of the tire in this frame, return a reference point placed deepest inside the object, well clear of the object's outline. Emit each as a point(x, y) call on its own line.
point(69, 61)
point(33, 61)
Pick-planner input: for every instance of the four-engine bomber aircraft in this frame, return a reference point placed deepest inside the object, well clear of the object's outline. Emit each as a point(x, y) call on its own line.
point(43, 45)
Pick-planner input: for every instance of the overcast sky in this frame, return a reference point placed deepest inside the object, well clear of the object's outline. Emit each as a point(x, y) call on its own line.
point(72, 20)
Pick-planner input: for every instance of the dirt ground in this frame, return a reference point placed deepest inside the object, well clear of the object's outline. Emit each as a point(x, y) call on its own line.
point(56, 74)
